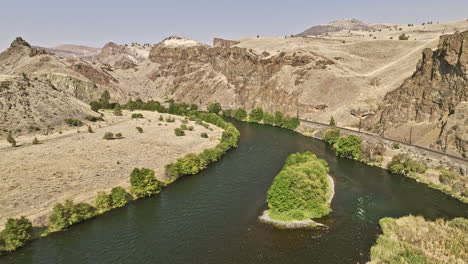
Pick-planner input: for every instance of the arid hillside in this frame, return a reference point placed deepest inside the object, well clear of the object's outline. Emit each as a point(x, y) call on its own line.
point(344, 73)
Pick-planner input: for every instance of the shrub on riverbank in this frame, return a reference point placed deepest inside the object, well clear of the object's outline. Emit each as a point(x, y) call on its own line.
point(411, 239)
point(256, 115)
point(17, 232)
point(214, 108)
point(331, 136)
point(301, 190)
point(279, 119)
point(68, 213)
point(349, 147)
point(191, 163)
point(240, 114)
point(119, 197)
point(402, 164)
point(144, 183)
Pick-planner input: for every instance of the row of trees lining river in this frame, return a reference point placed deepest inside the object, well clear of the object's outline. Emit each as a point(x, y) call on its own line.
point(18, 231)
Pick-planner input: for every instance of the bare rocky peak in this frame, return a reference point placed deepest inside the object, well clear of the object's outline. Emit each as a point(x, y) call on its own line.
point(19, 42)
point(175, 41)
point(338, 25)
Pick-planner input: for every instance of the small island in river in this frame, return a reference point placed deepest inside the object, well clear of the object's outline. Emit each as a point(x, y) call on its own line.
point(302, 191)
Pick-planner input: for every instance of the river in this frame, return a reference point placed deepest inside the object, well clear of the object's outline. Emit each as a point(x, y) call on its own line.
point(212, 217)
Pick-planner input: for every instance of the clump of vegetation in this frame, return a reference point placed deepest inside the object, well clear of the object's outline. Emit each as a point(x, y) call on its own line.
point(411, 239)
point(118, 136)
point(447, 177)
point(73, 122)
point(349, 147)
point(144, 183)
point(119, 197)
point(140, 130)
point(190, 128)
point(214, 108)
point(17, 232)
point(372, 153)
point(301, 190)
point(240, 114)
point(331, 136)
point(191, 163)
point(395, 146)
point(256, 115)
point(204, 135)
point(36, 141)
point(68, 213)
point(184, 127)
point(179, 132)
point(332, 122)
point(137, 115)
point(170, 119)
point(103, 202)
point(108, 136)
point(11, 140)
point(161, 118)
point(227, 112)
point(404, 165)
point(279, 119)
point(90, 129)
point(94, 118)
point(403, 36)
point(118, 110)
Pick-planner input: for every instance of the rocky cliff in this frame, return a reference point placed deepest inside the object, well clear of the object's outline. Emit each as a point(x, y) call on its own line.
point(431, 103)
point(233, 76)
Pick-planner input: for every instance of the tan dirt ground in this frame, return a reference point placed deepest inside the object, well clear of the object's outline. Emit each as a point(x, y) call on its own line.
point(71, 165)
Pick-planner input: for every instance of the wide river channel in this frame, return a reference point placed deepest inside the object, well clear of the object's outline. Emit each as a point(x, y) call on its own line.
point(212, 217)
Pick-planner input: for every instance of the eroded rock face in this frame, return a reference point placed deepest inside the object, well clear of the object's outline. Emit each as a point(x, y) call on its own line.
point(244, 78)
point(454, 133)
point(432, 94)
point(96, 76)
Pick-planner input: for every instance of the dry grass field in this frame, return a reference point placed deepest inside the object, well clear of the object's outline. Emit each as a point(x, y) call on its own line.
point(75, 164)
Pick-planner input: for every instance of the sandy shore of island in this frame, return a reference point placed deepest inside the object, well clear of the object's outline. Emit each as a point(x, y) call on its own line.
point(303, 224)
point(75, 164)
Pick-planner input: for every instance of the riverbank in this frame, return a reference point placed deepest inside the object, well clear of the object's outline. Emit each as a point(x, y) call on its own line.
point(412, 239)
point(76, 165)
point(436, 163)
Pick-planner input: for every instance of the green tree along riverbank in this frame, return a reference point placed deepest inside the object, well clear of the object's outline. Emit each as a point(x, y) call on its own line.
point(412, 239)
point(301, 191)
point(353, 147)
point(143, 181)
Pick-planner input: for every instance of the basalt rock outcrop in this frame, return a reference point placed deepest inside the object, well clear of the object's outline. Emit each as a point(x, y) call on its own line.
point(239, 76)
point(433, 98)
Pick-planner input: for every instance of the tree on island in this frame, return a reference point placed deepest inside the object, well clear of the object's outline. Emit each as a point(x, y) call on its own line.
point(301, 190)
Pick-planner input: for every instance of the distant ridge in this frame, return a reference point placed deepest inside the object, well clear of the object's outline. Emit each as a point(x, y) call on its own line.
point(338, 25)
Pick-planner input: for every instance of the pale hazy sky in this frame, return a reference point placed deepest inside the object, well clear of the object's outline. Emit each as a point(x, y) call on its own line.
point(95, 22)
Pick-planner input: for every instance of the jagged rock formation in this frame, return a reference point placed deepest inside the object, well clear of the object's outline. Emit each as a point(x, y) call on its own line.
point(338, 25)
point(224, 43)
point(433, 98)
point(39, 89)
